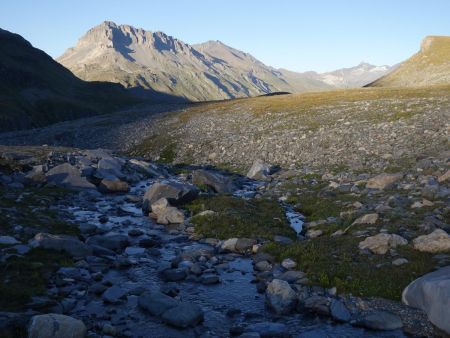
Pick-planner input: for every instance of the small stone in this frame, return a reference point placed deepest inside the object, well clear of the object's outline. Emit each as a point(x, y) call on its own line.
point(173, 275)
point(114, 295)
point(383, 181)
point(366, 219)
point(313, 233)
point(263, 266)
point(400, 261)
point(339, 311)
point(208, 279)
point(288, 264)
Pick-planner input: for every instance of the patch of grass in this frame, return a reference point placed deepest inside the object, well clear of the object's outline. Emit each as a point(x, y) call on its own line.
point(31, 208)
point(8, 166)
point(337, 262)
point(315, 207)
point(168, 154)
point(24, 277)
point(237, 217)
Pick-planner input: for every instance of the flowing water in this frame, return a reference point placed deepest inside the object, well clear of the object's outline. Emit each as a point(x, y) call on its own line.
point(235, 292)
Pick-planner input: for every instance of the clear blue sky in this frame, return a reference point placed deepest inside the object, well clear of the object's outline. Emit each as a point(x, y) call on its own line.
point(298, 35)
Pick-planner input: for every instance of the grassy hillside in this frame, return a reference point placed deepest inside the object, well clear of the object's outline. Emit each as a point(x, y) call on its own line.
point(430, 66)
point(36, 91)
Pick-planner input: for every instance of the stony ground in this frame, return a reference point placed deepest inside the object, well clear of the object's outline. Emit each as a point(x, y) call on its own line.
point(369, 170)
point(116, 263)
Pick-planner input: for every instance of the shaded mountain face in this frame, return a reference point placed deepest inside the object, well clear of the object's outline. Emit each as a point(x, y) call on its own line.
point(35, 90)
point(430, 66)
point(153, 60)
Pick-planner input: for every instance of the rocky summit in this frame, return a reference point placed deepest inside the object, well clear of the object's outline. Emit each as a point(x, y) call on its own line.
point(281, 204)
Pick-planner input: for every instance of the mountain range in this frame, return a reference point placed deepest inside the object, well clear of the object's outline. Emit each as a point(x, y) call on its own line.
point(142, 59)
point(137, 66)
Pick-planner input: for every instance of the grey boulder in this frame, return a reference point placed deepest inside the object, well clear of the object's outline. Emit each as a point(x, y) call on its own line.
point(176, 193)
point(431, 293)
point(111, 242)
point(183, 315)
point(66, 175)
point(268, 329)
point(113, 186)
point(156, 302)
point(260, 171)
point(381, 321)
point(280, 297)
point(219, 183)
point(69, 244)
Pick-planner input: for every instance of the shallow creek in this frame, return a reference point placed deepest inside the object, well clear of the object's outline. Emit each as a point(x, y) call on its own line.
point(234, 292)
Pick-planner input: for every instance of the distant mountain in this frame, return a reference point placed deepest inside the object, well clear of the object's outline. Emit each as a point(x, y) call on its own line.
point(430, 66)
point(35, 90)
point(353, 77)
point(153, 60)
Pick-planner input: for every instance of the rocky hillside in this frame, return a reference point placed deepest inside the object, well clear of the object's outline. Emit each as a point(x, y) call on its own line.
point(375, 128)
point(36, 91)
point(430, 66)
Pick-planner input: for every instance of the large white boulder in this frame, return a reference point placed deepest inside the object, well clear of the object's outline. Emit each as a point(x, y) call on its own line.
point(280, 297)
point(431, 293)
point(437, 241)
point(56, 326)
point(381, 243)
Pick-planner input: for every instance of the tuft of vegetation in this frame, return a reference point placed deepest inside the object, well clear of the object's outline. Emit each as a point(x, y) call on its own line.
point(236, 217)
point(24, 277)
point(337, 262)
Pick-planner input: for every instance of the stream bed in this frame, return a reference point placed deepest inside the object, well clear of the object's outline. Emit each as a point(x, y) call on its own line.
point(233, 302)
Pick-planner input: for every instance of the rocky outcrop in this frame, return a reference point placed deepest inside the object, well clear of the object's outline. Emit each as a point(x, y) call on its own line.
point(381, 243)
point(431, 293)
point(56, 326)
point(175, 193)
point(219, 183)
point(437, 241)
